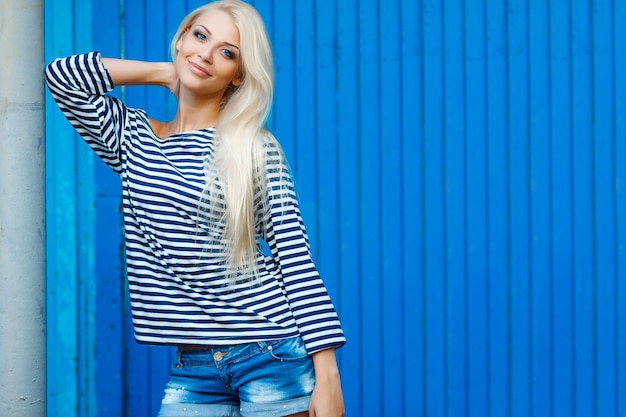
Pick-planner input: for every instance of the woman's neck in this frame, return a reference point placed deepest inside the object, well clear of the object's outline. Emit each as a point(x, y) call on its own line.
point(194, 114)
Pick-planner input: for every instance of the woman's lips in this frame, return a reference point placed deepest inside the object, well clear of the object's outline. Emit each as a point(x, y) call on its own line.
point(198, 70)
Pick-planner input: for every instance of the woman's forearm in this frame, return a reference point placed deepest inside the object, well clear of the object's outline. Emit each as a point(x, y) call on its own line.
point(327, 398)
point(325, 363)
point(130, 72)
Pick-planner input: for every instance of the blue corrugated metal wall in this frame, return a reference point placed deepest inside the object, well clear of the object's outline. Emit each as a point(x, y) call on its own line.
point(462, 169)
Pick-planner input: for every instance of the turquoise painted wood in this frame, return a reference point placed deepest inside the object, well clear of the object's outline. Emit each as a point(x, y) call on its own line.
point(462, 172)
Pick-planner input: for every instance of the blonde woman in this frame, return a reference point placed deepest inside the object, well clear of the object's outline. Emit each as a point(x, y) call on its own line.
point(256, 332)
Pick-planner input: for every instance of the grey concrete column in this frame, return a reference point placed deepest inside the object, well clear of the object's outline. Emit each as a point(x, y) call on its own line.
point(22, 211)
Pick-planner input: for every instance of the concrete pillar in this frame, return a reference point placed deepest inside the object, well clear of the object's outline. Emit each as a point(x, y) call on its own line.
point(22, 211)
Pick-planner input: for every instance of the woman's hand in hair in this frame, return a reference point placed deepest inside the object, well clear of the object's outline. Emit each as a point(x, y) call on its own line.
point(327, 397)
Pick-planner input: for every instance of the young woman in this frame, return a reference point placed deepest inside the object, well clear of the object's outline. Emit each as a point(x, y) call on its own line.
point(255, 330)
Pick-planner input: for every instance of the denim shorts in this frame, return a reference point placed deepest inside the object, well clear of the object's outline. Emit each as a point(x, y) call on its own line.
point(261, 379)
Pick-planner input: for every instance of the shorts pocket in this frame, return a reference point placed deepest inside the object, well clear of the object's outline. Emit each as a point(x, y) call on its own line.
point(291, 349)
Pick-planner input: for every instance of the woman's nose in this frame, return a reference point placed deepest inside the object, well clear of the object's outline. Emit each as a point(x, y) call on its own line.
point(206, 55)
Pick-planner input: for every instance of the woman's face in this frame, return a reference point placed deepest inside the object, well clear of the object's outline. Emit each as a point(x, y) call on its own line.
point(208, 55)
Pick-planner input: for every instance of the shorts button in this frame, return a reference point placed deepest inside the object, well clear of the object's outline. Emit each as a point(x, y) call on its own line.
point(218, 356)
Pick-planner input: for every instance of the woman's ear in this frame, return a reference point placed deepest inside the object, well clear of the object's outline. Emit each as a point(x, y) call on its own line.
point(238, 78)
point(237, 81)
point(179, 42)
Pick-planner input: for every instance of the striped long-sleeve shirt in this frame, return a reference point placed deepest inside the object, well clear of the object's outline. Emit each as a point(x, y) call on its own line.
point(180, 292)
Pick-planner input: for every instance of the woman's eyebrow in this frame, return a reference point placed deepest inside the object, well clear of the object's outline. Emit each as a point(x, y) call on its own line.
point(209, 32)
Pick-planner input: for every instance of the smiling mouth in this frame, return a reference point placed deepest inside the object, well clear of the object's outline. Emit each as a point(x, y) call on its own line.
point(198, 70)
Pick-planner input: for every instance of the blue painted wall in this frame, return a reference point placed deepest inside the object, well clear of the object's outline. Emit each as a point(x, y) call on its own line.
point(462, 172)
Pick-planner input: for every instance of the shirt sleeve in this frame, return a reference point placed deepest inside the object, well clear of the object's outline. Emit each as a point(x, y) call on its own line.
point(79, 85)
point(284, 231)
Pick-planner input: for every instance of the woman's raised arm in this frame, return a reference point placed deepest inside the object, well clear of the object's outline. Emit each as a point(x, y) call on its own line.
point(131, 72)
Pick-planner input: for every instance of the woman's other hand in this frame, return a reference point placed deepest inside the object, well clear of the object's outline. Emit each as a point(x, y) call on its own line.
point(327, 397)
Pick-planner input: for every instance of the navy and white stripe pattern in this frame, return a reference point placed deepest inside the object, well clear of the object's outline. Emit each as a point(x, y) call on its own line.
point(179, 290)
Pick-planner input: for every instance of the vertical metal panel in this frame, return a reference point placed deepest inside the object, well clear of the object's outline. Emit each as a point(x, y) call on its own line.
point(460, 169)
point(349, 234)
point(304, 160)
point(390, 209)
point(434, 210)
point(562, 372)
point(325, 71)
point(110, 301)
point(584, 304)
point(619, 34)
point(518, 214)
point(497, 210)
point(604, 206)
point(389, 172)
point(540, 209)
point(284, 95)
point(65, 328)
point(85, 256)
point(412, 211)
point(110, 316)
point(475, 105)
point(454, 168)
point(369, 104)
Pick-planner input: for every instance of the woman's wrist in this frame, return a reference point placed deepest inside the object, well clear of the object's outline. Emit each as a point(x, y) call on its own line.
point(168, 75)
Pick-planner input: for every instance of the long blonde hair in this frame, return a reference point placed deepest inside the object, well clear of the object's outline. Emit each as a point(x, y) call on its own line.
point(236, 171)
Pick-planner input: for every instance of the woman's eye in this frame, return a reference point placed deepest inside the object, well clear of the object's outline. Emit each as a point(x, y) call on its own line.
point(227, 53)
point(200, 35)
